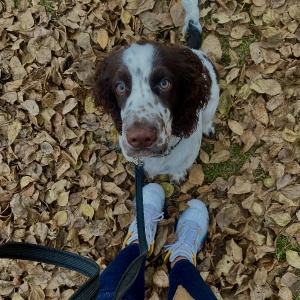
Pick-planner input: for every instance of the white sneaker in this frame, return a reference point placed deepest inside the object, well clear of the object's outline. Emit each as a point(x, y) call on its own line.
point(191, 230)
point(153, 199)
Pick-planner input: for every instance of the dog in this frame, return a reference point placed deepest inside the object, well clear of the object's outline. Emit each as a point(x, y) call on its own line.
point(161, 98)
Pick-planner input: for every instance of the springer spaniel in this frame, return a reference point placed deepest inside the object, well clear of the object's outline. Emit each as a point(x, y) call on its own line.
point(161, 99)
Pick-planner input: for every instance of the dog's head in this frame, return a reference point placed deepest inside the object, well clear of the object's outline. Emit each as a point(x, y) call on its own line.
point(152, 92)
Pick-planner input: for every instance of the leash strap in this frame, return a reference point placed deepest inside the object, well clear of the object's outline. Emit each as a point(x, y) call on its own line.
point(61, 258)
point(132, 271)
point(72, 261)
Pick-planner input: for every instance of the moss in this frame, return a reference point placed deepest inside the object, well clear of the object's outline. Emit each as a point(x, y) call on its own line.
point(225, 46)
point(227, 168)
point(283, 244)
point(48, 4)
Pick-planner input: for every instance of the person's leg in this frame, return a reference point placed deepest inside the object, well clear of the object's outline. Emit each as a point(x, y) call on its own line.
point(153, 198)
point(110, 277)
point(184, 273)
point(191, 230)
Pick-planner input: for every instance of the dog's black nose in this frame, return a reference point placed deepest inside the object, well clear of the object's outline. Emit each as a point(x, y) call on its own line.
point(141, 137)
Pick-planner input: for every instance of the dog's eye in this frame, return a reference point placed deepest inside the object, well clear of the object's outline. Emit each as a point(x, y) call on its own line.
point(165, 85)
point(120, 88)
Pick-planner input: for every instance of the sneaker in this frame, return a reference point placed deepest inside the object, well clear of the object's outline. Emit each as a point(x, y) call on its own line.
point(153, 200)
point(191, 230)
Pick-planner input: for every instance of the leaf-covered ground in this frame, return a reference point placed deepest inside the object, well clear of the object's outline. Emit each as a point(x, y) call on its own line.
point(64, 183)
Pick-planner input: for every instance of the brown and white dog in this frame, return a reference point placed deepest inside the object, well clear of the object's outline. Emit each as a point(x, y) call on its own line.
point(161, 99)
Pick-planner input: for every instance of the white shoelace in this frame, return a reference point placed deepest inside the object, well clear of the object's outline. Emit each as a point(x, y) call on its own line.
point(187, 243)
point(151, 219)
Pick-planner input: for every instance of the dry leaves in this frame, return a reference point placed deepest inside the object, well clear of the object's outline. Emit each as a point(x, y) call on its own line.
point(63, 184)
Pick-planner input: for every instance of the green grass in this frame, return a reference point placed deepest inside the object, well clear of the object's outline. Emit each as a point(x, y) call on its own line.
point(260, 174)
point(48, 4)
point(227, 168)
point(283, 244)
point(224, 40)
point(242, 50)
point(16, 2)
point(296, 296)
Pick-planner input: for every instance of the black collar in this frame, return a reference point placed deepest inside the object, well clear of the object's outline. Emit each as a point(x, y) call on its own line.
point(169, 150)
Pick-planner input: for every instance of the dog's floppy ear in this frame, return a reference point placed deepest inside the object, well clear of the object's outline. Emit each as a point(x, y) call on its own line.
point(193, 91)
point(103, 91)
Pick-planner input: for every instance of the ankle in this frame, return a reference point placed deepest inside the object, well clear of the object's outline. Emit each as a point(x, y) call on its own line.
point(177, 259)
point(134, 242)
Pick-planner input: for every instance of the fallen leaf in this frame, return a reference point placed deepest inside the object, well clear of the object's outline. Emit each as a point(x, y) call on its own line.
point(195, 174)
point(293, 258)
point(102, 38)
point(13, 131)
point(241, 186)
point(61, 217)
point(112, 188)
point(259, 111)
point(181, 293)
point(219, 157)
point(211, 45)
point(87, 210)
point(63, 198)
point(161, 279)
point(75, 150)
point(234, 251)
point(125, 16)
point(232, 74)
point(266, 86)
point(168, 189)
point(25, 180)
point(235, 127)
point(69, 105)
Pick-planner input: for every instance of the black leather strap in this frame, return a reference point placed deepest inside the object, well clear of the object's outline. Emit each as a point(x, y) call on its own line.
point(89, 289)
point(72, 261)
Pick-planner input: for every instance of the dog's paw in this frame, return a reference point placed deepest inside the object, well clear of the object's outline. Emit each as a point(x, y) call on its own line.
point(178, 178)
point(209, 129)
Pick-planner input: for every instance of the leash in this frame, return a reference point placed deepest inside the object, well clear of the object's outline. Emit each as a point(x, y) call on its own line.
point(49, 255)
point(85, 266)
point(132, 271)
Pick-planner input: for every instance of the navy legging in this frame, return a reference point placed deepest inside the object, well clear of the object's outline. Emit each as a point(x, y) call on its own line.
point(183, 273)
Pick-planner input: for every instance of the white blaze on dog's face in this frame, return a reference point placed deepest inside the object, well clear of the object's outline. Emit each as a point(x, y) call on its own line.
point(146, 120)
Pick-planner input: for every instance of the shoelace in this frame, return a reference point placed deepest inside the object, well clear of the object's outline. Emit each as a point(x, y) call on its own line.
point(151, 219)
point(188, 232)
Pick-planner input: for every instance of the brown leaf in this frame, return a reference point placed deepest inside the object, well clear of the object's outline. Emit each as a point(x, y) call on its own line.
point(232, 74)
point(181, 293)
point(161, 279)
point(212, 46)
point(219, 157)
point(177, 14)
point(266, 86)
point(259, 111)
point(195, 174)
point(145, 5)
point(241, 186)
point(102, 38)
point(292, 191)
point(256, 53)
point(234, 251)
point(293, 259)
point(235, 127)
point(111, 187)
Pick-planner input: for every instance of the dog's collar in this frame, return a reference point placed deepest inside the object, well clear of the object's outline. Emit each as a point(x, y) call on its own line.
point(169, 150)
